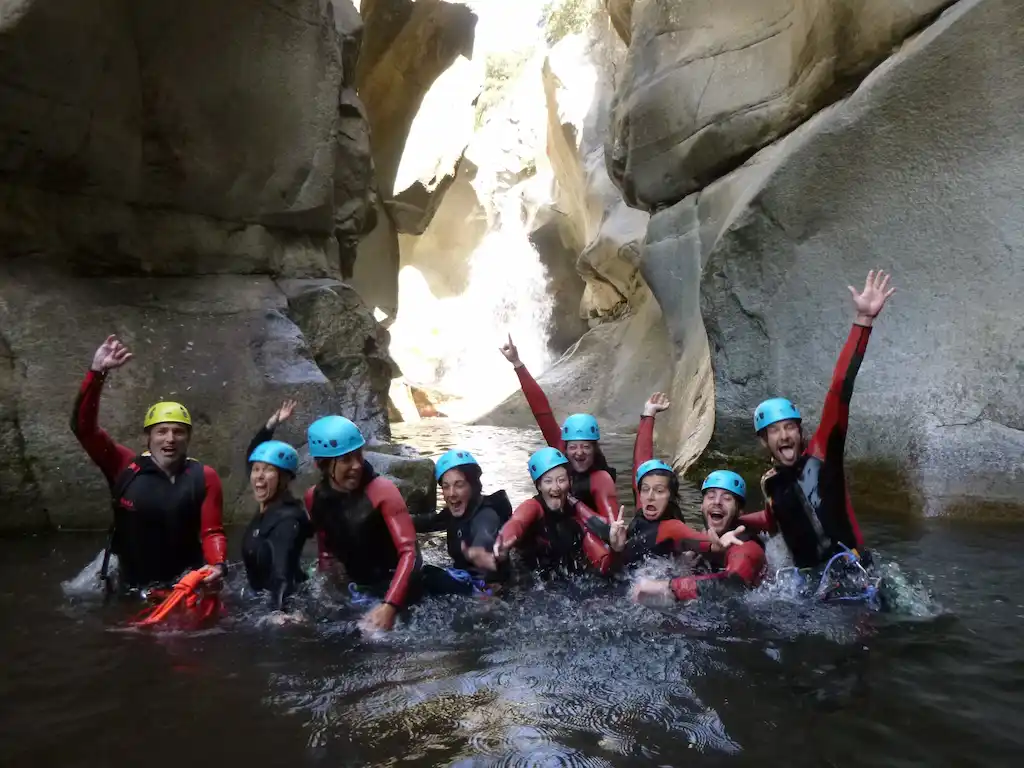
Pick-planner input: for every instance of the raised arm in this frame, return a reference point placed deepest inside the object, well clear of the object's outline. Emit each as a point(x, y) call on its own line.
point(535, 397)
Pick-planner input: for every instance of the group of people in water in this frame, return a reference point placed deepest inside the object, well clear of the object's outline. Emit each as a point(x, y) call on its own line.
point(167, 506)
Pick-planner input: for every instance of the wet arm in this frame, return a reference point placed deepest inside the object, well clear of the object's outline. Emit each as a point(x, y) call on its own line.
point(643, 446)
point(108, 455)
point(605, 497)
point(525, 515)
point(215, 544)
point(484, 529)
point(759, 521)
point(324, 559)
point(597, 551)
point(744, 566)
point(386, 498)
point(286, 542)
point(835, 415)
point(262, 435)
point(541, 408)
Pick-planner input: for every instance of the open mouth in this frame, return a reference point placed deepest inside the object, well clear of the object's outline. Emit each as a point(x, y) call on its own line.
point(787, 452)
point(716, 516)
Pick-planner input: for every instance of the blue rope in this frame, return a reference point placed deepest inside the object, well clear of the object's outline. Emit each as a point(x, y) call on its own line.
point(357, 597)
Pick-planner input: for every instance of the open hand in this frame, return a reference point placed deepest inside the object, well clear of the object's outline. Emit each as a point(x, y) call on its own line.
point(648, 588)
point(657, 402)
point(282, 414)
point(111, 354)
point(727, 539)
point(617, 535)
point(503, 547)
point(870, 301)
point(482, 558)
point(217, 573)
point(381, 618)
point(509, 351)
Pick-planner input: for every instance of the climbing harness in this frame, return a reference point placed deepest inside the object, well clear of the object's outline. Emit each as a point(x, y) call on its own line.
point(831, 586)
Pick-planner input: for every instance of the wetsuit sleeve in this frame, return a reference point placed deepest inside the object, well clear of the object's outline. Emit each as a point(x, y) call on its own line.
point(597, 551)
point(385, 497)
point(215, 543)
point(602, 487)
point(261, 436)
point(484, 529)
point(829, 441)
point(432, 523)
point(830, 436)
point(643, 446)
point(324, 560)
point(682, 537)
point(744, 564)
point(523, 518)
point(758, 521)
point(541, 408)
point(108, 455)
point(286, 542)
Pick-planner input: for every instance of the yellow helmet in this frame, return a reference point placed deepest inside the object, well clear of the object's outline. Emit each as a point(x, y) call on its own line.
point(162, 413)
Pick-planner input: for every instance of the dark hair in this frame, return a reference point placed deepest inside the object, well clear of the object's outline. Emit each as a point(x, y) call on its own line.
point(472, 474)
point(673, 511)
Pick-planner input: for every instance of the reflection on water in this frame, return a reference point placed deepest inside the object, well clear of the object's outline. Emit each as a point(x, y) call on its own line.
point(553, 674)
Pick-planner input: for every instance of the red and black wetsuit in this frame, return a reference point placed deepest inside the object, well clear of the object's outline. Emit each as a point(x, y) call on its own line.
point(596, 488)
point(742, 564)
point(371, 533)
point(557, 538)
point(809, 502)
point(273, 540)
point(163, 526)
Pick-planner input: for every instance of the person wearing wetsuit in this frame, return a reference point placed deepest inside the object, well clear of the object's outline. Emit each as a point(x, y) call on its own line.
point(551, 529)
point(729, 555)
point(273, 540)
point(167, 506)
point(361, 521)
point(806, 498)
point(471, 521)
point(592, 480)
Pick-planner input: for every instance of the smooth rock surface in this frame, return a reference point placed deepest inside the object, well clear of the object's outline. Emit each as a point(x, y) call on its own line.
point(919, 173)
point(707, 84)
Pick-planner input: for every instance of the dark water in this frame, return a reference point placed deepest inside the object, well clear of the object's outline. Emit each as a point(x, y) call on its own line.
point(557, 675)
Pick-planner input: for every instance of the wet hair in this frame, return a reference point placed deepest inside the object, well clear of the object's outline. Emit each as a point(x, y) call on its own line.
point(673, 511)
point(472, 474)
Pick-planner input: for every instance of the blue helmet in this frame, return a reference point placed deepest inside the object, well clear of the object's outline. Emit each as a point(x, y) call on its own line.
point(450, 460)
point(280, 455)
point(727, 481)
point(580, 426)
point(771, 411)
point(651, 466)
point(333, 436)
point(544, 460)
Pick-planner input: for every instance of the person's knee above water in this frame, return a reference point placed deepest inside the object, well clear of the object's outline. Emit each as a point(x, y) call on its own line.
point(806, 497)
point(731, 554)
point(471, 521)
point(361, 519)
point(273, 540)
point(167, 507)
point(551, 528)
point(579, 438)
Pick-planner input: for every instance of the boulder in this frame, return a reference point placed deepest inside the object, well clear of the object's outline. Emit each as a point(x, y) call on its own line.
point(621, 14)
point(917, 172)
point(707, 84)
point(414, 477)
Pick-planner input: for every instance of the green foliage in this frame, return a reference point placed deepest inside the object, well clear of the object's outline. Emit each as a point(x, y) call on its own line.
point(560, 18)
point(500, 72)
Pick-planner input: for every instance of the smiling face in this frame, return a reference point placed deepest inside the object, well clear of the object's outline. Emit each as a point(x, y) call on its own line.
point(581, 454)
point(720, 509)
point(784, 441)
point(265, 480)
point(655, 494)
point(168, 444)
point(457, 491)
point(345, 473)
point(554, 487)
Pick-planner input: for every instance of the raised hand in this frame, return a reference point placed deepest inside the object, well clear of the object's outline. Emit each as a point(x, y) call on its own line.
point(282, 414)
point(870, 301)
point(617, 535)
point(657, 402)
point(110, 355)
point(509, 351)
